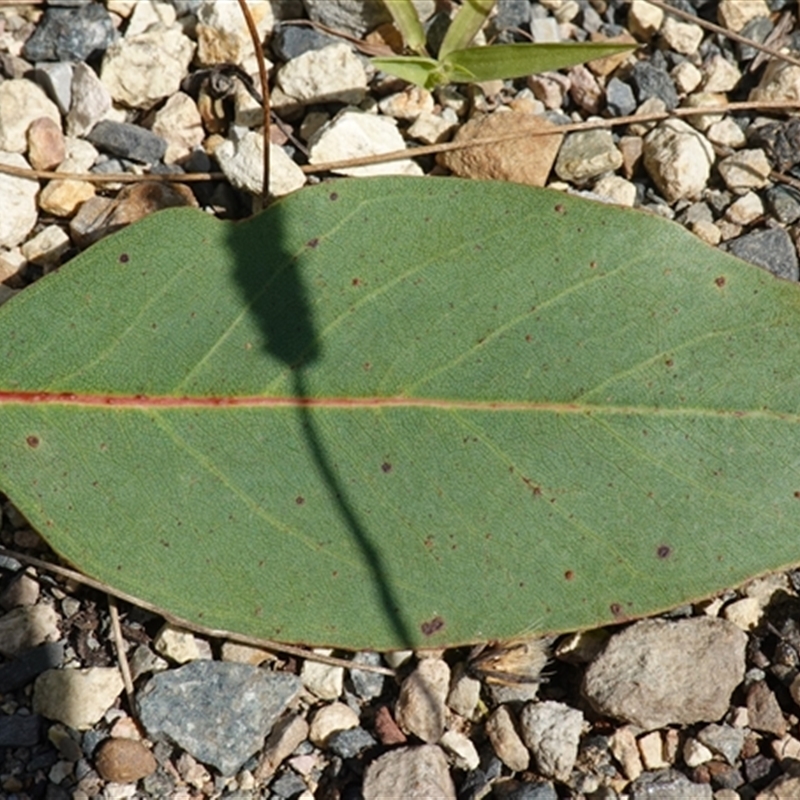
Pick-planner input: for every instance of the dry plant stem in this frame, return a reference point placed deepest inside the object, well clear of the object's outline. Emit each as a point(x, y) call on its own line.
point(119, 645)
point(262, 75)
point(253, 641)
point(112, 177)
point(710, 26)
point(413, 152)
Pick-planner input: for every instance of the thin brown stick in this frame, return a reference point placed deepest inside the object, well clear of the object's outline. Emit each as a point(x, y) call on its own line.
point(111, 177)
point(266, 644)
point(262, 75)
point(119, 646)
point(431, 149)
point(710, 26)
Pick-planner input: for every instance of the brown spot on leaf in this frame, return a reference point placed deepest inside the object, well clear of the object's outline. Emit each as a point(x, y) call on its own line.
point(33, 441)
point(560, 209)
point(616, 609)
point(124, 258)
point(797, 494)
point(299, 500)
point(663, 551)
point(569, 575)
point(432, 626)
point(386, 466)
point(312, 243)
point(334, 195)
point(720, 281)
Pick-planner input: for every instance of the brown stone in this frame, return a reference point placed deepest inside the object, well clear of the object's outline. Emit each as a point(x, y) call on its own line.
point(141, 199)
point(605, 66)
point(763, 712)
point(124, 761)
point(526, 159)
point(46, 148)
point(387, 730)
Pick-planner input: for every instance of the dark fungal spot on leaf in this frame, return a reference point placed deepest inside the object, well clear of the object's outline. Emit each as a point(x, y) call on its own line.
point(356, 281)
point(312, 243)
point(720, 281)
point(560, 209)
point(432, 626)
point(334, 195)
point(663, 551)
point(616, 609)
point(797, 494)
point(124, 258)
point(299, 500)
point(386, 467)
point(569, 575)
point(33, 441)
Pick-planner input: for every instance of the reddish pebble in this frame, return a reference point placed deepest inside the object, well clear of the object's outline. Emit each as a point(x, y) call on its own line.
point(124, 761)
point(387, 729)
point(46, 147)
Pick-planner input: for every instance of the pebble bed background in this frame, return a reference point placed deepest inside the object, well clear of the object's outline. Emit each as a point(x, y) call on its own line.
point(701, 703)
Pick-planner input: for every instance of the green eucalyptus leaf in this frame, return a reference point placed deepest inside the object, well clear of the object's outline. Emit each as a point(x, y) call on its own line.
point(399, 412)
point(504, 61)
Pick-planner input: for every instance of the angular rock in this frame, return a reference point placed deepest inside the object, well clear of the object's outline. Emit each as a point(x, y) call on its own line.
point(507, 744)
point(22, 102)
point(464, 695)
point(330, 719)
point(651, 81)
point(619, 98)
point(46, 149)
point(179, 124)
point(420, 707)
point(720, 75)
point(350, 743)
point(552, 732)
point(124, 761)
point(324, 680)
point(780, 83)
point(128, 141)
point(678, 159)
point(289, 732)
point(587, 154)
point(176, 644)
point(763, 712)
point(291, 41)
point(353, 133)
point(354, 17)
point(772, 249)
point(63, 198)
point(527, 159)
point(657, 672)
point(408, 104)
point(90, 101)
point(644, 19)
point(243, 165)
point(332, 74)
point(47, 247)
point(735, 14)
point(56, 80)
point(17, 202)
point(222, 34)
point(367, 685)
point(77, 697)
point(745, 170)
point(27, 626)
point(71, 34)
point(147, 13)
point(141, 70)
point(461, 750)
point(226, 710)
point(683, 37)
point(723, 739)
point(409, 772)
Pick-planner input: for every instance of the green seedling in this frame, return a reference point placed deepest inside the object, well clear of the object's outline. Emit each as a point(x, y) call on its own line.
point(457, 62)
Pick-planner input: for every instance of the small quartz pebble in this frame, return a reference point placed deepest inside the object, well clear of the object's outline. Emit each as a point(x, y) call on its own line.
point(150, 12)
point(464, 695)
point(625, 749)
point(63, 198)
point(744, 170)
point(747, 612)
point(324, 680)
point(243, 165)
point(46, 148)
point(726, 133)
point(683, 37)
point(552, 732)
point(506, 741)
point(695, 753)
point(179, 124)
point(287, 735)
point(333, 74)
point(352, 134)
point(409, 772)
point(780, 82)
point(587, 154)
point(584, 89)
point(47, 247)
point(331, 719)
point(91, 101)
point(743, 211)
point(222, 34)
point(617, 190)
point(550, 88)
point(408, 104)
point(651, 748)
point(678, 159)
point(27, 626)
point(657, 672)
point(176, 644)
point(245, 654)
point(77, 697)
point(124, 761)
point(735, 14)
point(528, 159)
point(421, 706)
point(461, 748)
point(686, 76)
point(644, 19)
point(138, 71)
point(21, 103)
point(719, 75)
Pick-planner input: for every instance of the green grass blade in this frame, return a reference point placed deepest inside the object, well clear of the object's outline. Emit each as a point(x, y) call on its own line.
point(414, 69)
point(406, 20)
point(467, 22)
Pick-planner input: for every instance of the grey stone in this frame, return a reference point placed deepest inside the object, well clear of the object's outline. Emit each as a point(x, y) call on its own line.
point(587, 154)
point(20, 730)
point(349, 743)
point(90, 101)
point(668, 784)
point(29, 665)
point(71, 34)
point(783, 203)
point(368, 685)
point(409, 772)
point(772, 249)
point(355, 17)
point(757, 30)
point(218, 712)
point(290, 784)
point(532, 791)
point(657, 672)
point(552, 733)
point(128, 141)
point(723, 739)
point(56, 80)
point(620, 100)
point(650, 81)
point(291, 41)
